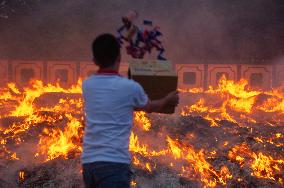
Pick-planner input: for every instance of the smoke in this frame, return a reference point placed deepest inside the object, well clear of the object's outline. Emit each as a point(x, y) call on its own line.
point(191, 29)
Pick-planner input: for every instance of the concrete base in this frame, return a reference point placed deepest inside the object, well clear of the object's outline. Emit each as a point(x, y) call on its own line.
point(25, 71)
point(279, 75)
point(216, 71)
point(4, 72)
point(87, 69)
point(190, 76)
point(258, 76)
point(200, 74)
point(65, 73)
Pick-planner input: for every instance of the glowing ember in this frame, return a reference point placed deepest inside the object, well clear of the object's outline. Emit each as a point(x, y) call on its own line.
point(21, 176)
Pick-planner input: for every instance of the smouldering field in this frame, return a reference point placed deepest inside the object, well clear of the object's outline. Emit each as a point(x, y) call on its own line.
point(231, 136)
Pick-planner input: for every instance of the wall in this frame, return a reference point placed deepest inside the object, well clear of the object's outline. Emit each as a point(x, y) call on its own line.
point(192, 75)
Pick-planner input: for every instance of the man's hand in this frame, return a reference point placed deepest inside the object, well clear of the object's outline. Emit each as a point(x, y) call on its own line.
point(171, 98)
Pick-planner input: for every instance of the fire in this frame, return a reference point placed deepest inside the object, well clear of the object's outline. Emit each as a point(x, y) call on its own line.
point(197, 161)
point(38, 88)
point(241, 104)
point(14, 157)
point(142, 120)
point(235, 102)
point(136, 147)
point(133, 183)
point(148, 167)
point(265, 166)
point(239, 153)
point(174, 149)
point(56, 142)
point(21, 176)
point(32, 117)
point(273, 105)
point(262, 166)
point(52, 116)
point(193, 90)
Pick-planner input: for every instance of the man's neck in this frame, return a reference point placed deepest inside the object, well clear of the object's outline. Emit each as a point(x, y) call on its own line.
point(108, 70)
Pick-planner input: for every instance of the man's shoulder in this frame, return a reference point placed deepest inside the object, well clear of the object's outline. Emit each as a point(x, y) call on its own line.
point(127, 84)
point(128, 81)
point(87, 80)
point(118, 79)
point(122, 78)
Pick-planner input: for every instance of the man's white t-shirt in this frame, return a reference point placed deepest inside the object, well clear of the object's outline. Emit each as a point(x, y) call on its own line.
point(109, 102)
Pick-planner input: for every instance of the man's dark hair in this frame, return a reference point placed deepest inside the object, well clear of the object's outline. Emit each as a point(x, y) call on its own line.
point(106, 50)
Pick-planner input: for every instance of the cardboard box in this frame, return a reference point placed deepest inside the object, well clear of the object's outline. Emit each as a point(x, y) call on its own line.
point(158, 78)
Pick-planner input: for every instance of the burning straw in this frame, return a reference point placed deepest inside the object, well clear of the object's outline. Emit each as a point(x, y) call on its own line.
point(228, 136)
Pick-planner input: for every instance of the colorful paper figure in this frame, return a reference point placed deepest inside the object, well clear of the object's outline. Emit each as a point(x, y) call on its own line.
point(140, 40)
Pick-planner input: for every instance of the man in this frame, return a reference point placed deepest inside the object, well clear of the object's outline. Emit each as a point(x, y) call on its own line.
point(109, 102)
